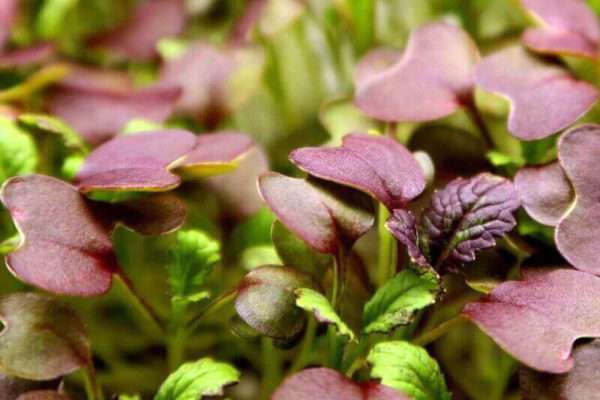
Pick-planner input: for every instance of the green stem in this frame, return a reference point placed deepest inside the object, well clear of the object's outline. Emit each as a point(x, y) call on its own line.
point(92, 389)
point(479, 122)
point(271, 367)
point(215, 305)
point(386, 265)
point(303, 355)
point(177, 335)
point(140, 304)
point(336, 348)
point(432, 335)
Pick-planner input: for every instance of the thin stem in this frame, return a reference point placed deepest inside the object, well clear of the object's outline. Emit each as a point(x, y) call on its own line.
point(142, 306)
point(387, 261)
point(92, 389)
point(336, 348)
point(479, 122)
point(177, 335)
point(305, 348)
point(271, 366)
point(212, 307)
point(432, 335)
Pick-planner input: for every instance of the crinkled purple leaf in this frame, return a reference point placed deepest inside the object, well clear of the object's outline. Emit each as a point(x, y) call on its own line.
point(545, 192)
point(328, 384)
point(42, 339)
point(580, 383)
point(377, 165)
point(236, 190)
point(11, 387)
point(65, 248)
point(538, 319)
point(403, 225)
point(544, 98)
point(322, 214)
point(266, 300)
point(138, 162)
point(43, 395)
point(577, 234)
point(8, 14)
point(27, 56)
point(465, 217)
point(569, 27)
point(137, 38)
point(434, 77)
point(216, 153)
point(98, 114)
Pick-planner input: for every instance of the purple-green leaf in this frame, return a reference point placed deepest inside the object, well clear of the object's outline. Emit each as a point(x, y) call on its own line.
point(43, 395)
point(538, 319)
point(580, 383)
point(328, 384)
point(136, 162)
point(42, 338)
point(545, 192)
point(433, 78)
point(544, 98)
point(376, 165)
point(137, 38)
point(403, 225)
point(11, 387)
point(568, 27)
point(266, 300)
point(324, 215)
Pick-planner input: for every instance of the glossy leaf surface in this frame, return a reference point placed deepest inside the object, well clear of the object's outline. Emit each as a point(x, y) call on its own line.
point(314, 302)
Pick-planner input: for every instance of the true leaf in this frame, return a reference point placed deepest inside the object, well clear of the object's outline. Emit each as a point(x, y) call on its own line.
point(313, 301)
point(328, 384)
point(544, 98)
point(409, 369)
point(403, 225)
point(377, 165)
point(18, 154)
point(539, 330)
point(194, 380)
point(42, 339)
point(396, 302)
point(266, 300)
point(432, 79)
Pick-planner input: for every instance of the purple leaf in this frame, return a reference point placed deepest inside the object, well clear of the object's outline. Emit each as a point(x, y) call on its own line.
point(138, 162)
point(65, 248)
point(433, 78)
point(374, 63)
point(377, 165)
point(11, 387)
point(328, 384)
point(577, 234)
point(545, 192)
point(43, 395)
point(580, 383)
point(569, 27)
point(98, 113)
point(538, 319)
point(544, 98)
point(324, 215)
point(266, 300)
point(466, 216)
point(36, 54)
point(403, 225)
point(137, 38)
point(42, 339)
point(8, 14)
point(89, 79)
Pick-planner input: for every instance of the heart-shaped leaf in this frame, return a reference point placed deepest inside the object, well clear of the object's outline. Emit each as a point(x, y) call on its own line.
point(314, 302)
point(538, 319)
point(569, 27)
point(43, 395)
point(328, 384)
point(580, 383)
point(409, 369)
point(217, 153)
point(377, 165)
point(137, 38)
point(434, 77)
point(11, 387)
point(195, 380)
point(42, 339)
point(544, 98)
point(324, 215)
point(577, 233)
point(99, 114)
point(545, 192)
point(266, 300)
point(136, 162)
point(65, 247)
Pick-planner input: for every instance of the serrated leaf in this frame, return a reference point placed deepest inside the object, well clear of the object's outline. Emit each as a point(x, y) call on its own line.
point(403, 225)
point(409, 369)
point(314, 302)
point(194, 380)
point(193, 259)
point(18, 154)
point(395, 303)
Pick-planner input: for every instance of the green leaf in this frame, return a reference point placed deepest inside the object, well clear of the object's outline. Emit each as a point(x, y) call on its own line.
point(409, 369)
point(130, 397)
point(396, 302)
point(50, 21)
point(194, 380)
point(193, 259)
point(140, 125)
point(18, 154)
point(48, 124)
point(256, 256)
point(313, 301)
